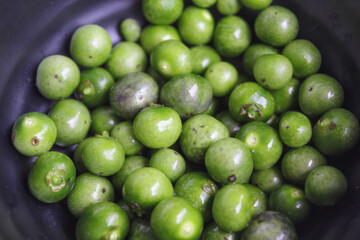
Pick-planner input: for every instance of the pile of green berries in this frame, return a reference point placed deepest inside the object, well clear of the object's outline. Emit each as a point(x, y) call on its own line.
point(175, 141)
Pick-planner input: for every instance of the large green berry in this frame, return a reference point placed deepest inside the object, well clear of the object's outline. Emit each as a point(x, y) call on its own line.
point(176, 218)
point(90, 45)
point(33, 134)
point(276, 25)
point(57, 77)
point(162, 11)
point(72, 120)
point(51, 177)
point(232, 36)
point(157, 127)
point(170, 58)
point(198, 133)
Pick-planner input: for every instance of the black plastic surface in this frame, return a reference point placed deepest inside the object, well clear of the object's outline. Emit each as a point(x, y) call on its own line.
point(32, 30)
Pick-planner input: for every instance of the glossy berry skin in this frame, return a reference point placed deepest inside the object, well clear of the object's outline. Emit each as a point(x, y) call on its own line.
point(249, 101)
point(33, 134)
point(188, 94)
point(256, 4)
point(131, 164)
point(152, 35)
point(199, 189)
point(273, 71)
point(204, 3)
point(299, 162)
point(228, 7)
point(276, 25)
point(72, 120)
point(304, 56)
point(130, 29)
point(286, 98)
point(103, 156)
point(145, 188)
point(203, 56)
point(260, 200)
point(79, 164)
point(90, 45)
point(94, 87)
point(196, 25)
point(170, 58)
point(123, 132)
point(222, 77)
point(104, 220)
point(253, 52)
point(336, 132)
point(263, 142)
point(89, 189)
point(176, 219)
point(170, 162)
point(295, 129)
point(51, 177)
point(232, 207)
point(198, 133)
point(228, 161)
point(318, 94)
point(290, 201)
point(270, 225)
point(268, 180)
point(325, 186)
point(157, 127)
point(162, 11)
point(103, 119)
point(232, 36)
point(126, 57)
point(132, 94)
point(57, 77)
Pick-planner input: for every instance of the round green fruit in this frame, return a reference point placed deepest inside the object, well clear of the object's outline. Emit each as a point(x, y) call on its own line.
point(325, 186)
point(176, 218)
point(33, 133)
point(145, 188)
point(103, 156)
point(264, 143)
point(198, 133)
point(104, 220)
point(133, 93)
point(57, 77)
point(162, 11)
point(249, 101)
point(72, 120)
point(232, 36)
point(170, 58)
point(157, 127)
point(90, 45)
point(276, 25)
point(126, 57)
point(188, 94)
point(52, 177)
point(232, 207)
point(336, 132)
point(89, 189)
point(199, 189)
point(270, 225)
point(229, 160)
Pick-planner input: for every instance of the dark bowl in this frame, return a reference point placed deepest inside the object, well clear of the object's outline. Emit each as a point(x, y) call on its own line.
point(32, 30)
